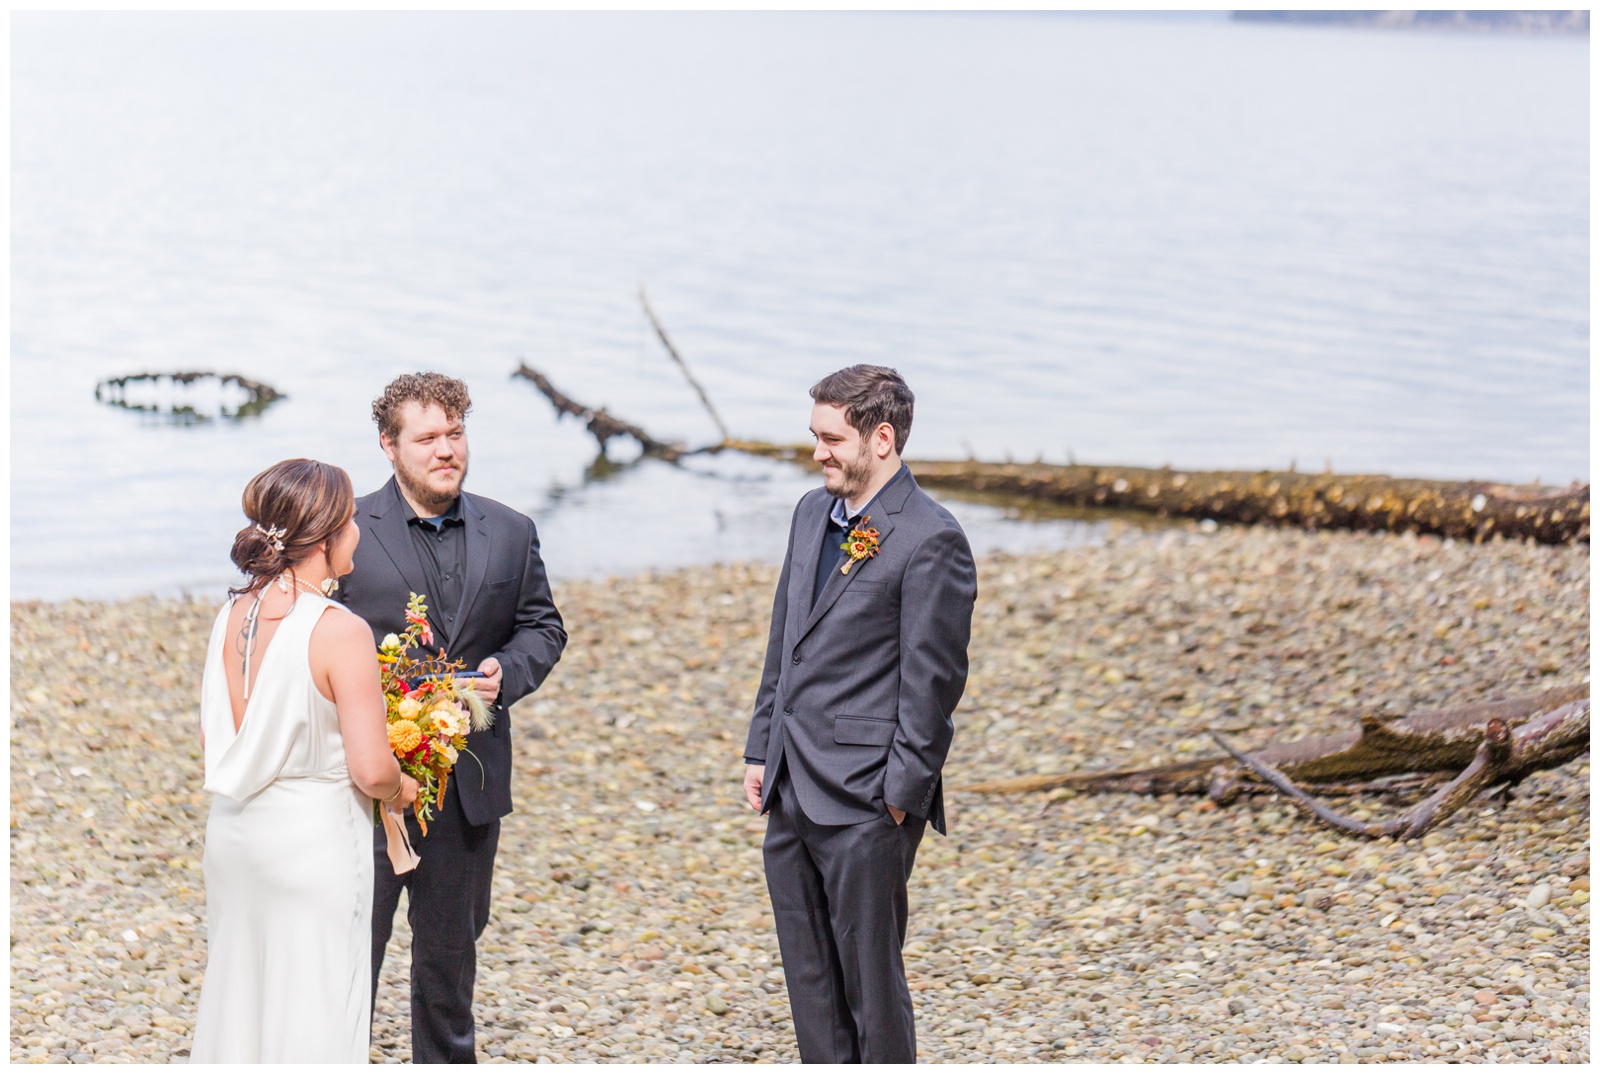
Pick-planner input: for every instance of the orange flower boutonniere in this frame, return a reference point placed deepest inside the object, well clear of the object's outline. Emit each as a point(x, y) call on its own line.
point(861, 544)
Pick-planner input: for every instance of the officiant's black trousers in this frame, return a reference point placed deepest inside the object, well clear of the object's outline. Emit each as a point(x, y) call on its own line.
point(447, 904)
point(839, 899)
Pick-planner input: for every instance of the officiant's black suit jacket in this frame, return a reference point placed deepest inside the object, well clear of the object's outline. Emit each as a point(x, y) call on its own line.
point(858, 690)
point(506, 612)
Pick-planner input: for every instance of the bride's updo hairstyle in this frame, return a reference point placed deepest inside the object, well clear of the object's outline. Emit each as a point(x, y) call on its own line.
point(292, 507)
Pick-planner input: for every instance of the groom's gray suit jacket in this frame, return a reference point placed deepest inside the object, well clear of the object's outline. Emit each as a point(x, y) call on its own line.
point(858, 690)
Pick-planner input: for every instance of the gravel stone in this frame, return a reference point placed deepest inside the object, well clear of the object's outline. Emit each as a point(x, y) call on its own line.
point(1047, 928)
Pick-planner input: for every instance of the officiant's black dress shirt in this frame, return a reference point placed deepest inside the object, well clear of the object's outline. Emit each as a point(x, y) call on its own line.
point(441, 544)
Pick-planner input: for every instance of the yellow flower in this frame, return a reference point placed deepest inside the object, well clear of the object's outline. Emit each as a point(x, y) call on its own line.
point(449, 752)
point(447, 718)
point(404, 736)
point(409, 708)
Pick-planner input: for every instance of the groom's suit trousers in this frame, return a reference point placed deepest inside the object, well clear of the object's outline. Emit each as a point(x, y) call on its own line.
point(839, 899)
point(447, 905)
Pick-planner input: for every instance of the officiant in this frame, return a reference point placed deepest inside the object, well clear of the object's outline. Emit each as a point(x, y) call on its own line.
point(489, 605)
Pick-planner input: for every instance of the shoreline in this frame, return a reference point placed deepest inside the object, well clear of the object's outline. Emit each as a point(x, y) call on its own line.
point(630, 919)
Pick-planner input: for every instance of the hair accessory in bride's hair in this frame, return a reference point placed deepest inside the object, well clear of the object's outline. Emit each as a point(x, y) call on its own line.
point(274, 536)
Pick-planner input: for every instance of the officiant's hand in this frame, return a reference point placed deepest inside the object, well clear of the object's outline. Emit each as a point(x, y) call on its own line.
point(487, 687)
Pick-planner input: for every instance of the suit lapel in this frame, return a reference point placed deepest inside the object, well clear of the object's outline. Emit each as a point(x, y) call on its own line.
point(477, 553)
point(387, 525)
point(803, 580)
point(889, 503)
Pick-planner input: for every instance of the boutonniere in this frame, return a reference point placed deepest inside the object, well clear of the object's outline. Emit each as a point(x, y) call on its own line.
point(861, 544)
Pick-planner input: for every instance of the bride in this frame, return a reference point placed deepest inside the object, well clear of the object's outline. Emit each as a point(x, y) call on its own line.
point(296, 748)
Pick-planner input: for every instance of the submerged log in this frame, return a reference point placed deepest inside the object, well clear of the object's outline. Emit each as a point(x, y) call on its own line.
point(258, 395)
point(1521, 736)
point(1470, 510)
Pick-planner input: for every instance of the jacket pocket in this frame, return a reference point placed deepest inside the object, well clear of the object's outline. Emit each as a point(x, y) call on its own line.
point(863, 731)
point(504, 583)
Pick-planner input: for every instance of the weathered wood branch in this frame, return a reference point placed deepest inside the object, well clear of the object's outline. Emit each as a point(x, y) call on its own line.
point(672, 352)
point(1440, 740)
point(601, 424)
point(1505, 756)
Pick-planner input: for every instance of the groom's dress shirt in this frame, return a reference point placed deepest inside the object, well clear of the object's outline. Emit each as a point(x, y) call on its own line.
point(441, 545)
point(840, 522)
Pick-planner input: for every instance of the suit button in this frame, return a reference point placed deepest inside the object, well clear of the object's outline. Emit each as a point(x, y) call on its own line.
point(788, 710)
point(796, 658)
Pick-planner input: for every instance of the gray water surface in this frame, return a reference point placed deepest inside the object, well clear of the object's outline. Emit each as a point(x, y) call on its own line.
point(1140, 241)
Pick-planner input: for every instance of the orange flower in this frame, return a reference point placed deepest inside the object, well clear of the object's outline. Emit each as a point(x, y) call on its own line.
point(404, 736)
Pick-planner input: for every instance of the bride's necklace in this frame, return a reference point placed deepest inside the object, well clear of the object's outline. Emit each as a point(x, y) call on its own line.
point(320, 591)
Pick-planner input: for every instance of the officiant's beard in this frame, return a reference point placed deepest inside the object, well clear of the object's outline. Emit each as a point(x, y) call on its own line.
point(418, 491)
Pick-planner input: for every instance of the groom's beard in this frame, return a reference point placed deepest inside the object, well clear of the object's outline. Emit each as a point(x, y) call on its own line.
point(435, 500)
point(853, 478)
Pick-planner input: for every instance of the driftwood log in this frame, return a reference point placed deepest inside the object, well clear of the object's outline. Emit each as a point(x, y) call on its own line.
point(1471, 510)
point(1504, 757)
point(1468, 749)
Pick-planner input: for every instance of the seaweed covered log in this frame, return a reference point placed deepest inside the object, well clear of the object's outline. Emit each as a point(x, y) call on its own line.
point(1472, 510)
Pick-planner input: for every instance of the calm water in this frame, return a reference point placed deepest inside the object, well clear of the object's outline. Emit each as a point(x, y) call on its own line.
point(1144, 241)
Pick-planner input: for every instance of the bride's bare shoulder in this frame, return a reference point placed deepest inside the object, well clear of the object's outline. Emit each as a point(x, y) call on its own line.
point(343, 627)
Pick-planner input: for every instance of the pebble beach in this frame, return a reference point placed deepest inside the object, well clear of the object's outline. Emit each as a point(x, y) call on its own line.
point(630, 919)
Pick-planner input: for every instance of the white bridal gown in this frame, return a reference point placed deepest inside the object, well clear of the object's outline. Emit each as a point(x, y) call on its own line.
point(288, 864)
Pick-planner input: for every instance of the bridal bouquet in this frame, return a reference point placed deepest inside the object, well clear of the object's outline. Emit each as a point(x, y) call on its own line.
point(429, 715)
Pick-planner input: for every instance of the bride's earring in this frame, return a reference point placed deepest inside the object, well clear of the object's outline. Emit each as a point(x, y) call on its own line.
point(330, 584)
point(283, 583)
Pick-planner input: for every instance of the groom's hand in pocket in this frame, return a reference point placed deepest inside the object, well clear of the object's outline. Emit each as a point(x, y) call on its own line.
point(899, 815)
point(487, 687)
point(753, 774)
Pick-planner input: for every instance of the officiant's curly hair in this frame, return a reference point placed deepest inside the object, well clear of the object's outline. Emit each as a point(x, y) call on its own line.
point(292, 506)
point(447, 393)
point(870, 395)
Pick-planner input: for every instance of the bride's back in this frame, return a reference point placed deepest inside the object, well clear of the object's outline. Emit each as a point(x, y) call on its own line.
point(285, 728)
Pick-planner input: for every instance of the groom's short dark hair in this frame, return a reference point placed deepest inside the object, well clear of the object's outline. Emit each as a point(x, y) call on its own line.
point(870, 396)
point(436, 389)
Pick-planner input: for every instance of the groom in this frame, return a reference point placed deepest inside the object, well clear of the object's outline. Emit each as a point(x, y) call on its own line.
point(489, 605)
point(866, 660)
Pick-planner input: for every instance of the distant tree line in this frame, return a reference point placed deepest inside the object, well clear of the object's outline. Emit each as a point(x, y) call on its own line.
point(1528, 22)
